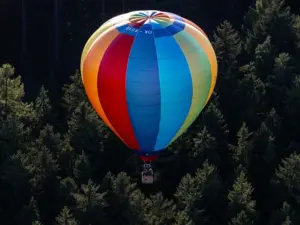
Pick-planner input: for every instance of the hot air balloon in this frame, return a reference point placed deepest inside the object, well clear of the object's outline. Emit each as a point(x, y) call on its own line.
point(148, 74)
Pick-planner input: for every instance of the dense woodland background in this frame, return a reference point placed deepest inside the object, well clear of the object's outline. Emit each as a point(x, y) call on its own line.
point(239, 164)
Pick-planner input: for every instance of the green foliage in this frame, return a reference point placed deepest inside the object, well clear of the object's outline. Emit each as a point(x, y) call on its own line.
point(182, 218)
point(204, 147)
point(198, 195)
point(283, 216)
point(86, 130)
point(241, 205)
point(228, 46)
point(241, 219)
point(271, 18)
point(12, 93)
point(66, 217)
point(28, 213)
point(264, 58)
point(90, 204)
point(82, 168)
point(49, 138)
point(243, 149)
point(13, 134)
point(73, 93)
point(288, 176)
point(42, 105)
point(161, 211)
point(45, 168)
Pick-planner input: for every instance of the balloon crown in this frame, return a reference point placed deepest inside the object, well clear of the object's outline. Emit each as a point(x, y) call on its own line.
point(145, 17)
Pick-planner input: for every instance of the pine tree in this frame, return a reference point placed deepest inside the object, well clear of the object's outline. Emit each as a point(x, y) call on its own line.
point(15, 186)
point(86, 130)
point(241, 153)
point(201, 195)
point(45, 182)
point(90, 204)
point(50, 139)
point(126, 203)
point(16, 117)
point(15, 114)
point(66, 157)
point(287, 221)
point(13, 136)
point(214, 120)
point(65, 217)
point(271, 17)
point(45, 168)
point(282, 216)
point(228, 47)
point(292, 108)
point(160, 211)
point(82, 168)
point(204, 148)
point(263, 163)
point(280, 80)
point(42, 106)
point(252, 93)
point(241, 219)
point(88, 133)
point(264, 149)
point(264, 58)
point(287, 176)
point(241, 204)
point(28, 213)
point(12, 94)
point(182, 218)
point(273, 121)
point(73, 93)
point(67, 186)
point(139, 210)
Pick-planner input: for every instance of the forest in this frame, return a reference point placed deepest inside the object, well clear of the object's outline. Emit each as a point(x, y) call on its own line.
point(238, 164)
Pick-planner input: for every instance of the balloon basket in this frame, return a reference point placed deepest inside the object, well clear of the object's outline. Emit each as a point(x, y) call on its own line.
point(147, 174)
point(147, 179)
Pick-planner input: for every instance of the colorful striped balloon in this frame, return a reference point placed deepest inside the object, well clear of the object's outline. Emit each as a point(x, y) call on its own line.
point(148, 74)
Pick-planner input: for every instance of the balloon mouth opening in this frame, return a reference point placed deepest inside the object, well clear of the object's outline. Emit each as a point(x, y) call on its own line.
point(148, 156)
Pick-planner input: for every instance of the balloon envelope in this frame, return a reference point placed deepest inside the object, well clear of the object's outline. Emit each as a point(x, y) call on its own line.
point(148, 74)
